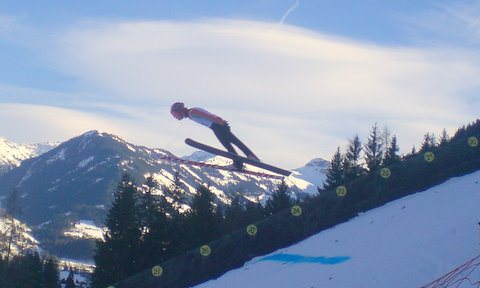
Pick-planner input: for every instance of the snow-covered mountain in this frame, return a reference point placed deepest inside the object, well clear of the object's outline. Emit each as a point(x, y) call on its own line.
point(406, 243)
point(313, 172)
point(75, 181)
point(12, 154)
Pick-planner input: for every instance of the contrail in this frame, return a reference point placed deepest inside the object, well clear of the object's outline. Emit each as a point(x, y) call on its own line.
point(297, 2)
point(295, 5)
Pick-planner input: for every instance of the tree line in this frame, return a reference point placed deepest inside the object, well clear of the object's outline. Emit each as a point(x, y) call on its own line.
point(381, 150)
point(29, 270)
point(146, 227)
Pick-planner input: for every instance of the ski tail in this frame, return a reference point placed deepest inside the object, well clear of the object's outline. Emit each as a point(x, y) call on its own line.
point(233, 156)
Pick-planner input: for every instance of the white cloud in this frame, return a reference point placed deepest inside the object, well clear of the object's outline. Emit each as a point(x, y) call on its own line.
point(26, 123)
point(290, 94)
point(220, 62)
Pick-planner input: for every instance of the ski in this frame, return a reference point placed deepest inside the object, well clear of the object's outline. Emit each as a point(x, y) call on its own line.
point(232, 156)
point(219, 167)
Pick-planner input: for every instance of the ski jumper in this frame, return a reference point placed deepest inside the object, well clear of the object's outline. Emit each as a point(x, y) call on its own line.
point(221, 129)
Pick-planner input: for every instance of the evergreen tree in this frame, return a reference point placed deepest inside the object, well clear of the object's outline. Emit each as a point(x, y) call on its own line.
point(50, 274)
point(70, 280)
point(235, 215)
point(351, 161)
point(116, 258)
point(157, 237)
point(27, 271)
point(391, 156)
point(335, 173)
point(149, 204)
point(429, 142)
point(3, 273)
point(280, 200)
point(374, 150)
point(201, 220)
point(253, 212)
point(444, 138)
point(176, 193)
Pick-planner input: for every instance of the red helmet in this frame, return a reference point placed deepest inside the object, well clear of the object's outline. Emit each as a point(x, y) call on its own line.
point(177, 110)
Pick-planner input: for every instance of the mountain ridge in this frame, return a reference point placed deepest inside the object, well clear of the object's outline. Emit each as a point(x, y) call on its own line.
point(12, 154)
point(75, 180)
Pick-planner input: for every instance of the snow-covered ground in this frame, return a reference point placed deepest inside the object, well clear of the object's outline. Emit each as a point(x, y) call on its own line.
point(78, 266)
point(406, 243)
point(81, 279)
point(86, 229)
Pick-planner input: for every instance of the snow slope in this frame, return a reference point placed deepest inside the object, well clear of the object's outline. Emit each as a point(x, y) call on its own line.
point(24, 240)
point(405, 243)
point(85, 229)
point(12, 154)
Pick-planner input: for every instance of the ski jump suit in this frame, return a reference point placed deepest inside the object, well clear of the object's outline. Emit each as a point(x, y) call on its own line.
point(222, 130)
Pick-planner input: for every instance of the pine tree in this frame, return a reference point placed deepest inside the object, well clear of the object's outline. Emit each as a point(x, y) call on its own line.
point(235, 215)
point(335, 173)
point(280, 200)
point(444, 138)
point(116, 258)
point(429, 142)
point(149, 203)
point(70, 280)
point(156, 238)
point(351, 161)
point(201, 220)
point(3, 273)
point(176, 193)
point(373, 150)
point(391, 156)
point(50, 274)
point(253, 212)
point(32, 275)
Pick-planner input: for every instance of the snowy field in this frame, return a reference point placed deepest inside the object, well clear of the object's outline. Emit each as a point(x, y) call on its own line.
point(86, 229)
point(406, 243)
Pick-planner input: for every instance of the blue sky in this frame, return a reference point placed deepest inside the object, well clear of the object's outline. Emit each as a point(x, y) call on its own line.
point(303, 74)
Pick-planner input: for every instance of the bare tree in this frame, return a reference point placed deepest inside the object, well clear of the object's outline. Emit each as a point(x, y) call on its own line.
point(12, 210)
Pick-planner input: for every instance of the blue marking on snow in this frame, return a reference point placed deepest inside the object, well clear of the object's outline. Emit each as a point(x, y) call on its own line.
point(291, 258)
